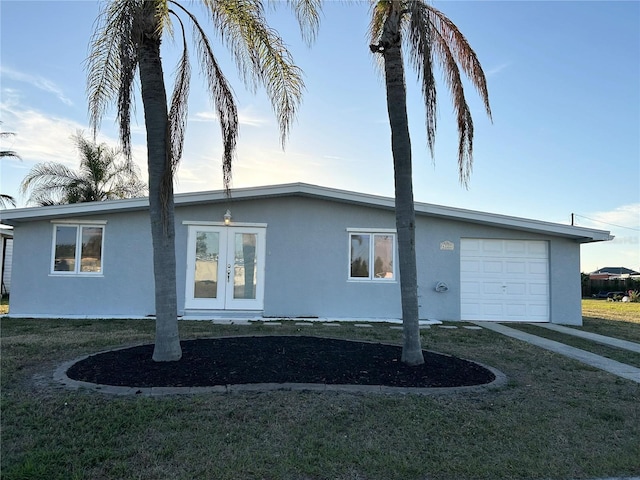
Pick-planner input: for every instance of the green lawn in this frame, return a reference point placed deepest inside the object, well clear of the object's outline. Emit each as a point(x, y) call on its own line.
point(615, 319)
point(556, 418)
point(4, 305)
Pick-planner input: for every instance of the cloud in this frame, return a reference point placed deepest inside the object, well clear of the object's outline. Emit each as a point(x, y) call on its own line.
point(246, 116)
point(41, 138)
point(37, 81)
point(45, 138)
point(207, 116)
point(497, 69)
point(621, 218)
point(623, 222)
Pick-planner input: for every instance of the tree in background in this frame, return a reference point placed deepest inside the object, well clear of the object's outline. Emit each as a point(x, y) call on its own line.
point(7, 199)
point(428, 36)
point(126, 41)
point(102, 176)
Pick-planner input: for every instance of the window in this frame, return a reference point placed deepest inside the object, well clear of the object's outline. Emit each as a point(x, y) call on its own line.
point(77, 249)
point(371, 255)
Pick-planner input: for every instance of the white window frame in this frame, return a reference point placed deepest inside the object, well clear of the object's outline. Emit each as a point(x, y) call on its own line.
point(79, 225)
point(372, 232)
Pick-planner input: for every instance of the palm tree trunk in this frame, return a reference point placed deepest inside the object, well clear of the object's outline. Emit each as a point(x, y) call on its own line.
point(161, 208)
point(405, 212)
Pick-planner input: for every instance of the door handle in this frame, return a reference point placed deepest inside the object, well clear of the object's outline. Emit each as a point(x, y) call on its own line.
point(228, 272)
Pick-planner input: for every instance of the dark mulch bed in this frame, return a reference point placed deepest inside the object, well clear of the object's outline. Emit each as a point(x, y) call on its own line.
point(277, 359)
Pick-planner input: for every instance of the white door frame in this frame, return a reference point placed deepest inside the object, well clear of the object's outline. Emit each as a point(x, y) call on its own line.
point(228, 267)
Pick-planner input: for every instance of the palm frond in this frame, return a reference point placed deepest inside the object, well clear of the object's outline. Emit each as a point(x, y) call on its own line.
point(103, 63)
point(420, 41)
point(261, 55)
point(221, 97)
point(307, 14)
point(111, 65)
point(379, 10)
point(179, 104)
point(461, 51)
point(48, 180)
point(8, 153)
point(453, 80)
point(7, 200)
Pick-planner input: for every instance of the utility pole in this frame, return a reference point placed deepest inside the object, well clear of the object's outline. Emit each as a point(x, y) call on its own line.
point(572, 224)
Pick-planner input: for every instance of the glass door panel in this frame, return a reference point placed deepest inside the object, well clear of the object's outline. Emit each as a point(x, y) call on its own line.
point(206, 257)
point(245, 266)
point(205, 282)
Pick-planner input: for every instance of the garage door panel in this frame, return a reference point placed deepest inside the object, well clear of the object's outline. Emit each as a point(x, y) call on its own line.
point(494, 310)
point(539, 312)
point(492, 266)
point(470, 266)
point(516, 289)
point(516, 267)
point(470, 288)
point(515, 247)
point(491, 288)
point(504, 280)
point(539, 268)
point(537, 249)
point(491, 248)
point(516, 311)
point(539, 289)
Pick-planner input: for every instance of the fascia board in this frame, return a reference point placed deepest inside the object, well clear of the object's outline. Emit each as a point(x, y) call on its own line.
point(17, 215)
point(580, 234)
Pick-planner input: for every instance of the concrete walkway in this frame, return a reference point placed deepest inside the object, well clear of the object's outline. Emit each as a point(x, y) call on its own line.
point(612, 342)
point(597, 361)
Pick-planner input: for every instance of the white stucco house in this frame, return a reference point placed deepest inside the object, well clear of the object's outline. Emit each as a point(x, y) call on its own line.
point(294, 251)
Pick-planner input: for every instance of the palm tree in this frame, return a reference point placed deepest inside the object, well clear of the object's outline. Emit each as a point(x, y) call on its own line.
point(127, 40)
point(428, 35)
point(7, 199)
point(102, 176)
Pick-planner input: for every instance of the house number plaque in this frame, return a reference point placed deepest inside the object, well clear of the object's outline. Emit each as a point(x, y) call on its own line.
point(447, 245)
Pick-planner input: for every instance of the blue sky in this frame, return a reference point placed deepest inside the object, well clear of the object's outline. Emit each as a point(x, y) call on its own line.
point(564, 85)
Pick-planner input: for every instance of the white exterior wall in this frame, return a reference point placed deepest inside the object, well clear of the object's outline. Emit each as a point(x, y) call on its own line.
point(124, 289)
point(307, 262)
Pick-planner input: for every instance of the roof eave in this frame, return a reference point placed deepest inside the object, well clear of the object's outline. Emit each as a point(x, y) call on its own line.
point(578, 234)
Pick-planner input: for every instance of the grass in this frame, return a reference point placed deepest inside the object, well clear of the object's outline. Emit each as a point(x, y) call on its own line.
point(613, 319)
point(623, 311)
point(4, 305)
point(623, 356)
point(555, 419)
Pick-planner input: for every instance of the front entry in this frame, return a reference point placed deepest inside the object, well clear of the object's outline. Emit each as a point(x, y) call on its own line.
point(225, 268)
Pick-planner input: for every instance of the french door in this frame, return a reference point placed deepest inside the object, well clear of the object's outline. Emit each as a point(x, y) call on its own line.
point(225, 268)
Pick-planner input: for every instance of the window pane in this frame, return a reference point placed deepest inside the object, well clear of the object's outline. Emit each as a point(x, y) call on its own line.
point(206, 274)
point(360, 256)
point(65, 250)
point(245, 266)
point(91, 256)
point(383, 256)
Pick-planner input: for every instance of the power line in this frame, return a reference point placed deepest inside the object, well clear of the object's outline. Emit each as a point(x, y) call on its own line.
point(605, 223)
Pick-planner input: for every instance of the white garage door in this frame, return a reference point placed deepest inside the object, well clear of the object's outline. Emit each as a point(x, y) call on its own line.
point(504, 280)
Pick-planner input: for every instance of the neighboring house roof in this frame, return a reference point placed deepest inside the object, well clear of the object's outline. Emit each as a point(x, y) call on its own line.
point(579, 234)
point(615, 271)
